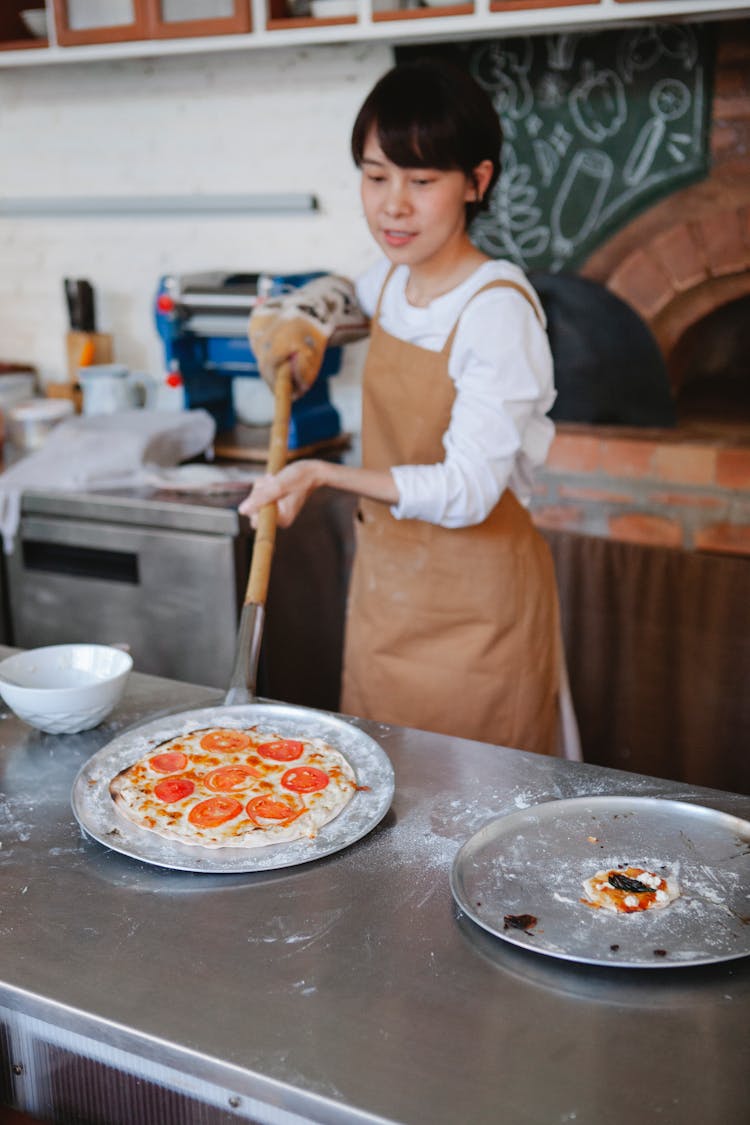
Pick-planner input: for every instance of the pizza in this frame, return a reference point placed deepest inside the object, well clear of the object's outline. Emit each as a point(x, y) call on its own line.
point(232, 788)
point(627, 890)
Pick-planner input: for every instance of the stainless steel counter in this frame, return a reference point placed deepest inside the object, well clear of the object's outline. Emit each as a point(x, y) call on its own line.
point(345, 991)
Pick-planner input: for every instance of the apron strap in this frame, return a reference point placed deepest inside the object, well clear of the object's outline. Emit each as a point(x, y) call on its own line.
point(447, 346)
point(388, 276)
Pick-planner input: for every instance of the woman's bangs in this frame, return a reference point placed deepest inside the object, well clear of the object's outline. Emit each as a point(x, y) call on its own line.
point(417, 143)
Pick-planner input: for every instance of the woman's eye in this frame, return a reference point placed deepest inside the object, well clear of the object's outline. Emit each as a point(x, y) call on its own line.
point(421, 181)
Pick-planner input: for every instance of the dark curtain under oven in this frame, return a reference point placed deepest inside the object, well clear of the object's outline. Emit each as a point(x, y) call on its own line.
point(657, 643)
point(658, 649)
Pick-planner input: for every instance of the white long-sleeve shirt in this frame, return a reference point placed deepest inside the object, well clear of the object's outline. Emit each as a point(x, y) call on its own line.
point(502, 369)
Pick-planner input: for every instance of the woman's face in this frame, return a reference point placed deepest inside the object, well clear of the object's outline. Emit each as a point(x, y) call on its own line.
point(416, 215)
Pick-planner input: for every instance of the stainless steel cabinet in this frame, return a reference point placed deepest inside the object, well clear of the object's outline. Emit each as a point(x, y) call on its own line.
point(169, 593)
point(167, 577)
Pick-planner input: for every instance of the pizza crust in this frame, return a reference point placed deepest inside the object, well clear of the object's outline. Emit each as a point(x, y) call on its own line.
point(660, 890)
point(132, 791)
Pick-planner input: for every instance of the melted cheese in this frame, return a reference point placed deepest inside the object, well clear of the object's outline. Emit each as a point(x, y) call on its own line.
point(600, 892)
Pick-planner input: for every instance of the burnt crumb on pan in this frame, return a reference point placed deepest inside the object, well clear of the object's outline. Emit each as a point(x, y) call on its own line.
point(519, 922)
point(614, 947)
point(660, 952)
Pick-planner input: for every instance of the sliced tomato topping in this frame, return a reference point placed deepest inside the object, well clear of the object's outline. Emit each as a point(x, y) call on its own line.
point(173, 789)
point(229, 777)
point(265, 808)
point(305, 779)
point(214, 811)
point(171, 761)
point(225, 740)
point(282, 750)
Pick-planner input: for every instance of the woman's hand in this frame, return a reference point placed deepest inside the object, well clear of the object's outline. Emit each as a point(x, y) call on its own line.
point(291, 487)
point(288, 489)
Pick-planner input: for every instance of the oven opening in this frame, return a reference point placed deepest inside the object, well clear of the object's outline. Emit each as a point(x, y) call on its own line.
point(709, 367)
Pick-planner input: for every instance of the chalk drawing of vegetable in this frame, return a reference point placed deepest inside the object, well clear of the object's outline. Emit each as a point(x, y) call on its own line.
point(547, 160)
point(577, 205)
point(513, 228)
point(638, 51)
point(503, 70)
point(669, 100)
point(679, 43)
point(560, 50)
point(597, 104)
point(644, 47)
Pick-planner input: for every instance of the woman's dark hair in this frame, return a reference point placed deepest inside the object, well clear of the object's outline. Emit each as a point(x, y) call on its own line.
point(429, 113)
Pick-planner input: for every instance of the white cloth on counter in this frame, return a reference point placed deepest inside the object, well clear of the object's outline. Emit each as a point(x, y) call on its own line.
point(206, 479)
point(501, 365)
point(103, 451)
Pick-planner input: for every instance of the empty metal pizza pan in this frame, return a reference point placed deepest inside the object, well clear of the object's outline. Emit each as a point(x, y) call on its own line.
point(534, 862)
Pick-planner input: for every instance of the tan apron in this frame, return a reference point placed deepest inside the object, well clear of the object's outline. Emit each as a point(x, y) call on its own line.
point(453, 630)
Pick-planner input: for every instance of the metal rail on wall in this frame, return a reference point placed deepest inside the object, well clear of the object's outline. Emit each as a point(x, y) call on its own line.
point(163, 206)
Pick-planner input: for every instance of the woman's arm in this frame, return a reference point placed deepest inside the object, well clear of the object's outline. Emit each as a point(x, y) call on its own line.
point(290, 488)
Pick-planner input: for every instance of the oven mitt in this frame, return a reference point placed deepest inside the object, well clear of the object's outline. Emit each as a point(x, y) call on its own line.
point(298, 327)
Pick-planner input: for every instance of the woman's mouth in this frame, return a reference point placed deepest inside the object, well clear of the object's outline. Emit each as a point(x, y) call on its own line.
point(397, 238)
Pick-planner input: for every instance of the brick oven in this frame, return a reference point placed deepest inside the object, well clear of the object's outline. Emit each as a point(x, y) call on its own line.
point(650, 527)
point(684, 266)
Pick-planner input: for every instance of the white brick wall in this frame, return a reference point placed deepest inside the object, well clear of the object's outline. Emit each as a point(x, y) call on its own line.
point(264, 121)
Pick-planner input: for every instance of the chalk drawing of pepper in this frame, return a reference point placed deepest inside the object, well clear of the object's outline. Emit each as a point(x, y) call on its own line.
point(597, 103)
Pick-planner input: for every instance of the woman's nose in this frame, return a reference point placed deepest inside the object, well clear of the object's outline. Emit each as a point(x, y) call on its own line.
point(397, 199)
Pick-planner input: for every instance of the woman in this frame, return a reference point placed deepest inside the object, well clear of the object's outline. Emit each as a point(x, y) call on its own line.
point(452, 622)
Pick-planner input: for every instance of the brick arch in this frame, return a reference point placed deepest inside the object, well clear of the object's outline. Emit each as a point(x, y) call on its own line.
point(684, 272)
point(689, 253)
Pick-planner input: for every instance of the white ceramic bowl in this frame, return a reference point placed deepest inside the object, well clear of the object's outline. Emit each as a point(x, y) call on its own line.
point(64, 688)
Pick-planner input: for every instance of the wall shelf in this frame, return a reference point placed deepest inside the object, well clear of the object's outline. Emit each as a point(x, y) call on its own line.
point(481, 19)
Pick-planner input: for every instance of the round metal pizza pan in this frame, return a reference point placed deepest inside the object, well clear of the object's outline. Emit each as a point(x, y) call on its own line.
point(97, 815)
point(534, 862)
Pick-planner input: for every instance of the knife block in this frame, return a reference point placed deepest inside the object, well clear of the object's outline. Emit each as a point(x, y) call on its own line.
point(77, 348)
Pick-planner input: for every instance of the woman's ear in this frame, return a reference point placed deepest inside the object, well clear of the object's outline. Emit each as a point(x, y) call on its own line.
point(480, 178)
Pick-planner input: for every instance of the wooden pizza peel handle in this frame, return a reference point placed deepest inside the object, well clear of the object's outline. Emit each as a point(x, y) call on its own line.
point(245, 671)
point(265, 533)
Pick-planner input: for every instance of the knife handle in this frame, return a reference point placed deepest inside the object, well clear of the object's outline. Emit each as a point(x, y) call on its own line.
point(80, 298)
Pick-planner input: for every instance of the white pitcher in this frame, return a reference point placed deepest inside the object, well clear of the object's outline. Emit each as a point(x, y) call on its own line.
point(109, 387)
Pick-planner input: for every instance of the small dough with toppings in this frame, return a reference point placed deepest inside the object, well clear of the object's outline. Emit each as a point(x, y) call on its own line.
point(629, 890)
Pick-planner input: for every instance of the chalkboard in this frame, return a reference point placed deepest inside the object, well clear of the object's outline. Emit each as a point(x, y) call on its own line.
point(597, 127)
